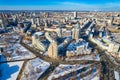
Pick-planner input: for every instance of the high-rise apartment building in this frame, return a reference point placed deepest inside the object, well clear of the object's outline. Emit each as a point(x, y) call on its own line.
point(76, 32)
point(75, 14)
point(53, 50)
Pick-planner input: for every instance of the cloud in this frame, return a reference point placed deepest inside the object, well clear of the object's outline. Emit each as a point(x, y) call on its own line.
point(85, 6)
point(69, 3)
point(67, 6)
point(75, 6)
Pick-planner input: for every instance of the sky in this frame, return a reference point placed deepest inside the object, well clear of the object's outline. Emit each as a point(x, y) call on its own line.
point(59, 4)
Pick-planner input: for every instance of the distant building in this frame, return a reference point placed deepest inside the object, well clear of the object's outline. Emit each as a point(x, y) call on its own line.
point(102, 32)
point(75, 14)
point(38, 21)
point(76, 32)
point(27, 26)
point(1, 23)
point(91, 35)
point(46, 23)
point(32, 21)
point(112, 19)
point(2, 47)
point(4, 20)
point(46, 15)
point(60, 30)
point(66, 33)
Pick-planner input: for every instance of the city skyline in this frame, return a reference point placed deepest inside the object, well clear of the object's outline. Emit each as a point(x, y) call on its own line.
point(59, 44)
point(109, 5)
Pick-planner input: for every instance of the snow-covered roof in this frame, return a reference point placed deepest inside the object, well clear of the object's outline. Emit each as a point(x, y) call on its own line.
point(39, 33)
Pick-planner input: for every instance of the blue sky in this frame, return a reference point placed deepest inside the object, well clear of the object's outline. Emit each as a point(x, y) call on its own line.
point(59, 4)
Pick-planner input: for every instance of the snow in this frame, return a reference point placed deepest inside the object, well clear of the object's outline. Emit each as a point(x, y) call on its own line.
point(86, 57)
point(10, 70)
point(65, 69)
point(96, 78)
point(92, 76)
point(14, 51)
point(31, 69)
point(39, 33)
point(79, 43)
point(117, 75)
point(23, 53)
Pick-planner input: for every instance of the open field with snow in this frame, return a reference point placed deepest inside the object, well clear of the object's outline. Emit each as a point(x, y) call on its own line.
point(34, 69)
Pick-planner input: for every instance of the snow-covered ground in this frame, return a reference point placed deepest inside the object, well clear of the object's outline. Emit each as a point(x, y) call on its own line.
point(34, 69)
point(10, 70)
point(18, 52)
point(13, 50)
point(92, 76)
point(117, 75)
point(112, 58)
point(62, 70)
point(85, 57)
point(96, 78)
